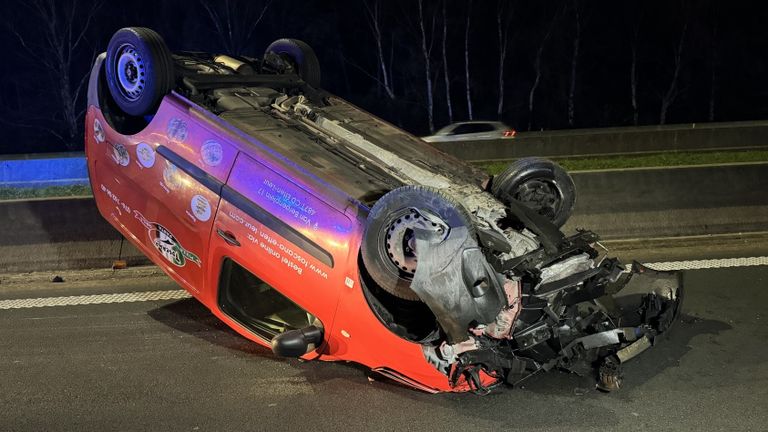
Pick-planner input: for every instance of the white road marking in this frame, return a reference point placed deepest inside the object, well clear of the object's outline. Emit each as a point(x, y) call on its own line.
point(708, 263)
point(181, 294)
point(93, 299)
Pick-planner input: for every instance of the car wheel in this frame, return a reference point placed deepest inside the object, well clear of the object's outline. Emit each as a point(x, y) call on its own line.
point(539, 184)
point(139, 70)
point(302, 56)
point(389, 247)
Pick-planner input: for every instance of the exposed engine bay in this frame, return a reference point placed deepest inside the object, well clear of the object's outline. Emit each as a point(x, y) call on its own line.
point(477, 272)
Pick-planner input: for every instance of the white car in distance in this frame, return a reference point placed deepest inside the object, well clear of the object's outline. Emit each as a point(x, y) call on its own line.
point(471, 131)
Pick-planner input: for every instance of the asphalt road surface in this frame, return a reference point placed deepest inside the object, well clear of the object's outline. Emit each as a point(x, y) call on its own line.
point(169, 365)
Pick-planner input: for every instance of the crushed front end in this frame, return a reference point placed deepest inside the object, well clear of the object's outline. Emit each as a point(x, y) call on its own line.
point(566, 308)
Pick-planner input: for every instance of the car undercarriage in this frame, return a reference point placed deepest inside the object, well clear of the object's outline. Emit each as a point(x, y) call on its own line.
point(511, 295)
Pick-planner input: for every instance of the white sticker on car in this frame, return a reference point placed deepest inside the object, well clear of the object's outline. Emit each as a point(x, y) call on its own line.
point(145, 154)
point(177, 129)
point(211, 153)
point(98, 131)
point(171, 176)
point(166, 243)
point(201, 208)
point(120, 155)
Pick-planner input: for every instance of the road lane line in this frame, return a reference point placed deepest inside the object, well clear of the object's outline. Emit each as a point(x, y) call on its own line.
point(708, 263)
point(181, 294)
point(93, 299)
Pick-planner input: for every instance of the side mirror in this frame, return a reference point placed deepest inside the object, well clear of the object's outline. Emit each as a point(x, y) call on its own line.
point(296, 343)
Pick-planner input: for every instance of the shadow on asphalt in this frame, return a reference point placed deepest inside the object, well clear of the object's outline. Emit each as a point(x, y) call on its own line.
point(665, 354)
point(191, 317)
point(549, 399)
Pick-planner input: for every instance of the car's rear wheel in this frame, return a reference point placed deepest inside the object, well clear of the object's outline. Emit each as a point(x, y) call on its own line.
point(539, 184)
point(301, 56)
point(389, 246)
point(139, 70)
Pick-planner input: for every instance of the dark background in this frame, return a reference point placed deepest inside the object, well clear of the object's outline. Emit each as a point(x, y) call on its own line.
point(702, 60)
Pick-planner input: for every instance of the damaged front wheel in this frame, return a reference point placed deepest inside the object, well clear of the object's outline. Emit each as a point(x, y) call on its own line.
point(389, 243)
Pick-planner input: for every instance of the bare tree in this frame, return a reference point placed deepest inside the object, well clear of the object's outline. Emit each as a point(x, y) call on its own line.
point(713, 52)
point(503, 14)
point(574, 64)
point(54, 44)
point(235, 21)
point(537, 67)
point(373, 22)
point(466, 60)
point(633, 68)
point(445, 65)
point(673, 90)
point(426, 52)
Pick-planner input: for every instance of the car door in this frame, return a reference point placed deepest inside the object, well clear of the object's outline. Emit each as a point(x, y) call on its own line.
point(486, 131)
point(294, 246)
point(477, 131)
point(164, 184)
point(467, 131)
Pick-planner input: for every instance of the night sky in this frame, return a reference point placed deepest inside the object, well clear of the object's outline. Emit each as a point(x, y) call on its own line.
point(717, 48)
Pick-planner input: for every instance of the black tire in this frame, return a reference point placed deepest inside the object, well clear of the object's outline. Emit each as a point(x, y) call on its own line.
point(541, 185)
point(139, 70)
point(302, 56)
point(389, 218)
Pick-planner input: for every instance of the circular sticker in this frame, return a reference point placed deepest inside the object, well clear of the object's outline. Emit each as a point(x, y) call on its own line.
point(98, 131)
point(177, 129)
point(145, 154)
point(120, 155)
point(201, 208)
point(171, 176)
point(212, 153)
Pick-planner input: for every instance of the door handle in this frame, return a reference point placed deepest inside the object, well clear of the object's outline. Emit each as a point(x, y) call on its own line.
point(228, 237)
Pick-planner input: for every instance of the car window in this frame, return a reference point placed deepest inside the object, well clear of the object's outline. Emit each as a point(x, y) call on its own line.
point(469, 128)
point(256, 305)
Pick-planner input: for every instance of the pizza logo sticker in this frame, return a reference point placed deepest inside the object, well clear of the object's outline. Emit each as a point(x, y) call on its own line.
point(98, 131)
point(171, 176)
point(212, 153)
point(201, 208)
point(145, 154)
point(120, 155)
point(177, 129)
point(166, 243)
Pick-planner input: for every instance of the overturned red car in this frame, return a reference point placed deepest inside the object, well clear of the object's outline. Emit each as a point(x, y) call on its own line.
point(316, 229)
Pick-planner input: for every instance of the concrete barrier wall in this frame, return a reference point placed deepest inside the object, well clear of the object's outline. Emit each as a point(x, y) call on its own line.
point(662, 202)
point(609, 141)
point(640, 203)
point(50, 234)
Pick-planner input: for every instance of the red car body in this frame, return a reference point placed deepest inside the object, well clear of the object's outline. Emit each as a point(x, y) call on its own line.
point(138, 197)
point(298, 220)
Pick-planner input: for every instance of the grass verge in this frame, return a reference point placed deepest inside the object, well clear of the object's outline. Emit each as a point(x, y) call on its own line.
point(7, 193)
point(648, 160)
